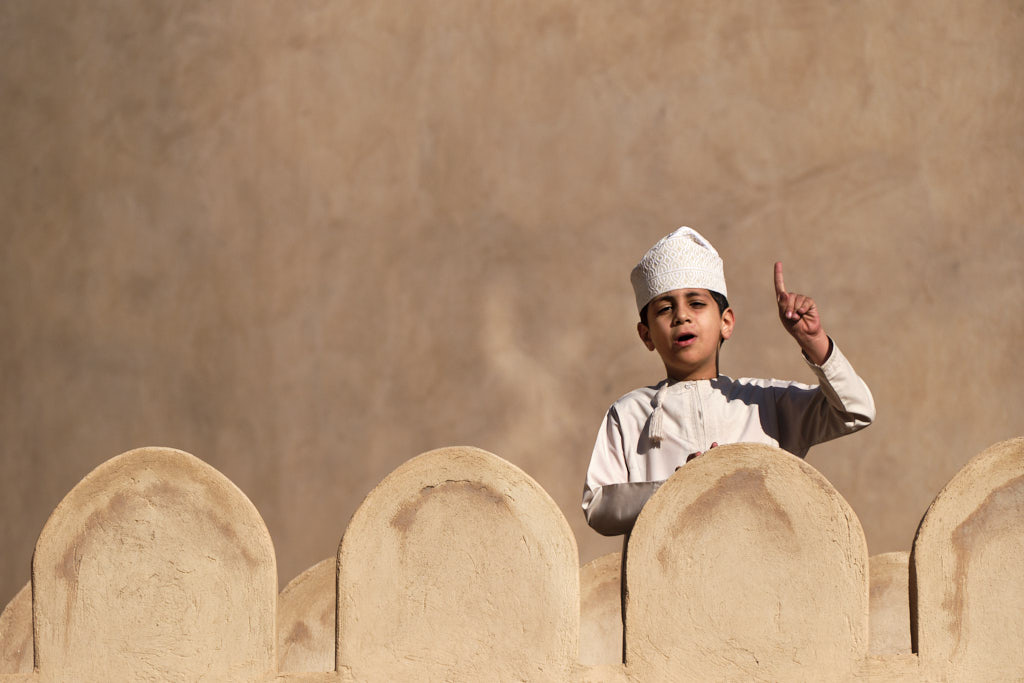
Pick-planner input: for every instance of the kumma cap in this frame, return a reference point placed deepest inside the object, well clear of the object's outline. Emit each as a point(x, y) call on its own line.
point(680, 260)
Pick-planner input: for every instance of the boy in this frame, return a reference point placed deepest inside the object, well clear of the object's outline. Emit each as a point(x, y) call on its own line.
point(685, 316)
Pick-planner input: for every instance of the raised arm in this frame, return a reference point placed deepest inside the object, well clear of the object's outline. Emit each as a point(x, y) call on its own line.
point(799, 316)
point(842, 402)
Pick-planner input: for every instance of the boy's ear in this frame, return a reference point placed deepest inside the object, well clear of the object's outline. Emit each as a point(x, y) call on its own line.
point(645, 335)
point(728, 323)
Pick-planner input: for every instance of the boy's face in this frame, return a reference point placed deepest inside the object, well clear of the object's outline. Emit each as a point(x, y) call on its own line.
point(685, 327)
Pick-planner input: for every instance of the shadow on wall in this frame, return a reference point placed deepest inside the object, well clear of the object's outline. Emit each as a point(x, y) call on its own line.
point(458, 566)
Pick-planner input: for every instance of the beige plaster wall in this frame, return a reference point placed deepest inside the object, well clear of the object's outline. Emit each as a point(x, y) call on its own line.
point(890, 604)
point(155, 567)
point(16, 653)
point(458, 566)
point(601, 610)
point(966, 597)
point(748, 566)
point(306, 619)
point(311, 240)
point(746, 563)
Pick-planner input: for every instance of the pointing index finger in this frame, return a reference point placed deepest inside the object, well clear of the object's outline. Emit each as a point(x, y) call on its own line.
point(780, 286)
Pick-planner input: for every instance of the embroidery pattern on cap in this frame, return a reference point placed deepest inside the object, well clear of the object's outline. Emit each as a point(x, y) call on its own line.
point(681, 260)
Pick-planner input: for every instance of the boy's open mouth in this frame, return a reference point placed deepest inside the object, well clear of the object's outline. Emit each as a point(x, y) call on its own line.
point(685, 338)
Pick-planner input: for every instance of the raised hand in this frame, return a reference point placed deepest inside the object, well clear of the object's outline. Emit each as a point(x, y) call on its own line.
point(799, 317)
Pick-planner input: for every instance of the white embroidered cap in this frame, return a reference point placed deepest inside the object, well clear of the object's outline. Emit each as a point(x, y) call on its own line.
point(680, 260)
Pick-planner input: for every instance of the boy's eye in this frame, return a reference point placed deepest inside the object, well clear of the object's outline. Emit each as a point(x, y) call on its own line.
point(698, 304)
point(664, 309)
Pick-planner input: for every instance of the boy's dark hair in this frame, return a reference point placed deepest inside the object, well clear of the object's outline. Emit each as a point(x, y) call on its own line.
point(722, 302)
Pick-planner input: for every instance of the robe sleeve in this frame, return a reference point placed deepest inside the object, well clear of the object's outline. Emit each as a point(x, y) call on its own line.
point(611, 502)
point(840, 404)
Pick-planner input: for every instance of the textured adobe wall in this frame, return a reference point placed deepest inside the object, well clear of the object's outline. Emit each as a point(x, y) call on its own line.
point(749, 565)
point(890, 604)
point(154, 567)
point(16, 633)
point(967, 599)
point(312, 240)
point(306, 619)
point(458, 566)
point(601, 610)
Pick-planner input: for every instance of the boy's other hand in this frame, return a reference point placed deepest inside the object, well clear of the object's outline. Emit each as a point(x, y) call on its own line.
point(800, 317)
point(691, 456)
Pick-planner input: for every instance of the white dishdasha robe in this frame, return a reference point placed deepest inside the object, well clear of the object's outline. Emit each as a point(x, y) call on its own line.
point(627, 465)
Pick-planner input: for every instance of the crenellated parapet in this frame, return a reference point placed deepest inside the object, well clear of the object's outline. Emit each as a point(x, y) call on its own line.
point(745, 565)
point(458, 565)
